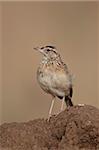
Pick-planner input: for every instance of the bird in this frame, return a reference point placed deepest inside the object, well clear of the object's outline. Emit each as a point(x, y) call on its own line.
point(54, 77)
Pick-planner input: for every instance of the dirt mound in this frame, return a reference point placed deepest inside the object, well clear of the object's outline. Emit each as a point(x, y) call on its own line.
point(73, 129)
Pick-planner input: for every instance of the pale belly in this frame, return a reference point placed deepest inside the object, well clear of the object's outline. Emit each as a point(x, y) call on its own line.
point(55, 84)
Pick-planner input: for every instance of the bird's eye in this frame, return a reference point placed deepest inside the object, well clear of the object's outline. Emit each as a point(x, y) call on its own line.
point(48, 50)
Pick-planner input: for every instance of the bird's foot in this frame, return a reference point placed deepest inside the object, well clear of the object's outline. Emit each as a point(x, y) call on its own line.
point(51, 116)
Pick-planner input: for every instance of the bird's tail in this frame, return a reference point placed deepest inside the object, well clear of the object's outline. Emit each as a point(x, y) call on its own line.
point(68, 101)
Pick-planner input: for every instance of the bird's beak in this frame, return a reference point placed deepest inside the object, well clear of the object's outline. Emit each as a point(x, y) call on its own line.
point(38, 49)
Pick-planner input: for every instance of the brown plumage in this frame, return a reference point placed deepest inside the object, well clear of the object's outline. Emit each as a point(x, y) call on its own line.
point(54, 77)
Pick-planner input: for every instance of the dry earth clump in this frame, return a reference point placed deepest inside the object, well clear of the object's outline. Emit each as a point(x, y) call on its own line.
point(76, 128)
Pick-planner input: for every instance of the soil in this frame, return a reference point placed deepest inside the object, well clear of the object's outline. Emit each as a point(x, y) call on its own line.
point(76, 128)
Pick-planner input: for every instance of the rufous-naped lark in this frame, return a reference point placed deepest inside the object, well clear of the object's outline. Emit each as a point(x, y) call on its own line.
point(54, 77)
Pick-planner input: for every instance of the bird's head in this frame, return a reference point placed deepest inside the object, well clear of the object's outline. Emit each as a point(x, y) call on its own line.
point(48, 51)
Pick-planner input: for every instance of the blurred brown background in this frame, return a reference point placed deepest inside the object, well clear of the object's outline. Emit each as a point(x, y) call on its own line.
point(73, 27)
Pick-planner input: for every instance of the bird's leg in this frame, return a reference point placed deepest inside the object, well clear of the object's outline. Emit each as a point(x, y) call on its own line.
point(62, 104)
point(51, 107)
